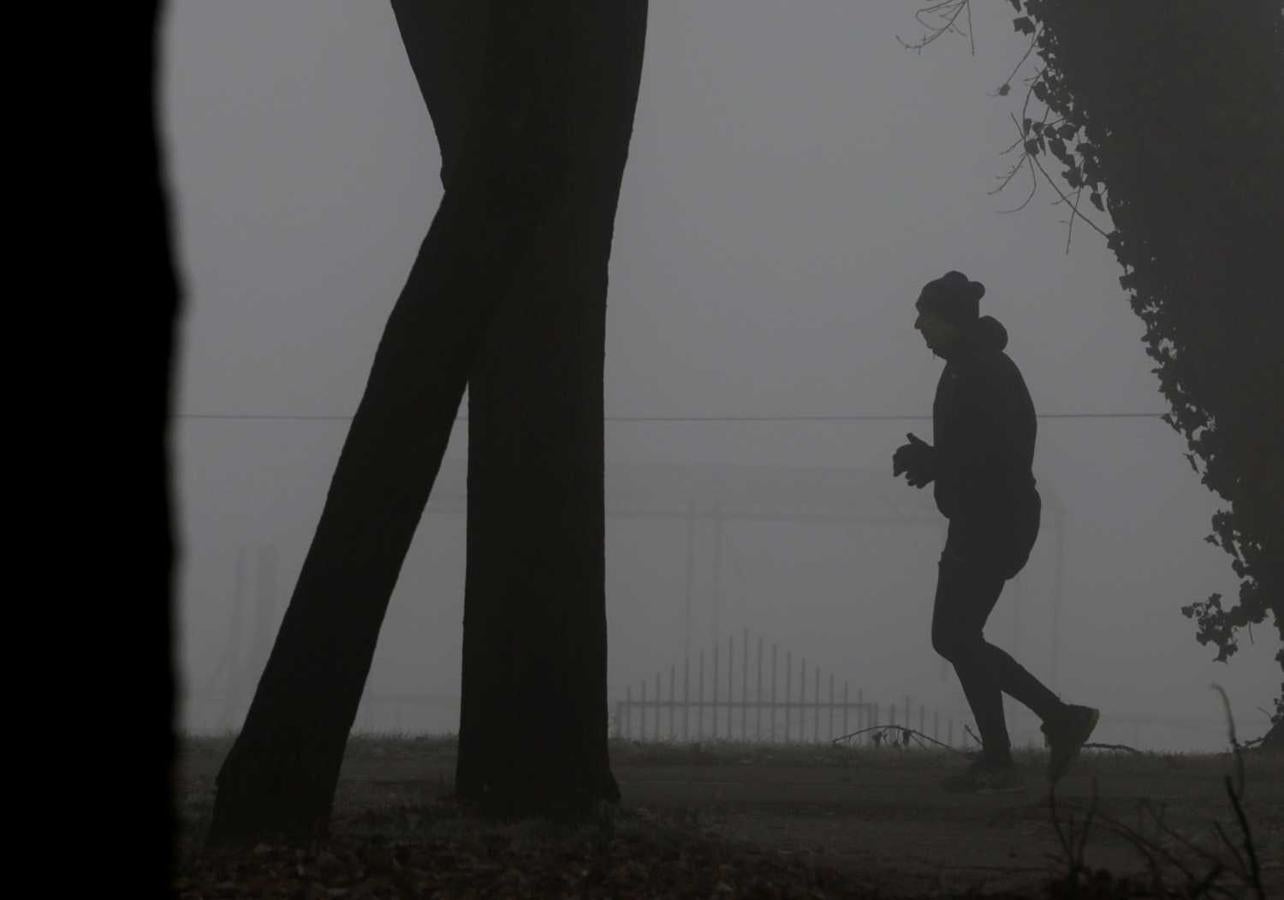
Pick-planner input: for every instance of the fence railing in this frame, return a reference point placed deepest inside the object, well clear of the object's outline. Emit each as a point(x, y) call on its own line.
point(778, 712)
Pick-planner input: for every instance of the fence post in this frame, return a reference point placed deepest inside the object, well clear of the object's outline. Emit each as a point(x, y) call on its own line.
point(744, 688)
point(773, 693)
point(789, 683)
point(715, 690)
point(845, 697)
point(628, 710)
point(802, 701)
point(831, 706)
point(700, 701)
point(655, 732)
point(815, 713)
point(642, 709)
point(686, 697)
point(731, 683)
point(673, 730)
point(757, 717)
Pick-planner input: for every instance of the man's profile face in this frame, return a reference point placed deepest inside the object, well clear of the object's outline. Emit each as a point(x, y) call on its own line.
point(937, 333)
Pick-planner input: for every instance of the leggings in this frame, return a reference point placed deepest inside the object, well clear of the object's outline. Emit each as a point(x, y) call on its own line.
point(966, 592)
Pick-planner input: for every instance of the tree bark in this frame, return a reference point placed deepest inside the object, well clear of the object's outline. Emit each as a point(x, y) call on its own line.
point(533, 723)
point(512, 140)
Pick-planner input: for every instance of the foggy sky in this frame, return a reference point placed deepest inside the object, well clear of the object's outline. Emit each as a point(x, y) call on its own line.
point(795, 176)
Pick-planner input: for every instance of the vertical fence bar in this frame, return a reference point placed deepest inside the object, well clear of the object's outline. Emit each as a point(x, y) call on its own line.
point(802, 700)
point(845, 707)
point(655, 728)
point(700, 701)
point(922, 718)
point(744, 688)
point(619, 718)
point(862, 714)
point(731, 683)
point(628, 710)
point(831, 707)
point(673, 703)
point(642, 704)
point(789, 682)
point(715, 690)
point(757, 716)
point(772, 729)
point(815, 713)
point(891, 714)
point(686, 697)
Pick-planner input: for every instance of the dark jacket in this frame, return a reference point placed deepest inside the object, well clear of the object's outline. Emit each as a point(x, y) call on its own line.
point(984, 429)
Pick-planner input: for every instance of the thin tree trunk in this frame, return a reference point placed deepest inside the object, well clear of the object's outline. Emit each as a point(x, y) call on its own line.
point(279, 778)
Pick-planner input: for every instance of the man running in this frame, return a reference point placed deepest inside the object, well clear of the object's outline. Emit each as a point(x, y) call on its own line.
point(983, 426)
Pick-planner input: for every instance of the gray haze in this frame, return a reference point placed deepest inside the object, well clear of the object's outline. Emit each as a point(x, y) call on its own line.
point(795, 176)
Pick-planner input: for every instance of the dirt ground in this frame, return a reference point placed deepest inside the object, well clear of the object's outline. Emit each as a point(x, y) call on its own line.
point(879, 813)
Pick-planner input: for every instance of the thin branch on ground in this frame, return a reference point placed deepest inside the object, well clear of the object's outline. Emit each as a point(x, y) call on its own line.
point(905, 733)
point(1123, 747)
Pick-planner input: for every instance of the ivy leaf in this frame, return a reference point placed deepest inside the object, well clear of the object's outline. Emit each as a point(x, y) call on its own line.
point(1023, 25)
point(1016, 4)
point(1095, 197)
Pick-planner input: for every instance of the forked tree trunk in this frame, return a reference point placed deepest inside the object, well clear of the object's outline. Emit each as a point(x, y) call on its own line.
point(529, 169)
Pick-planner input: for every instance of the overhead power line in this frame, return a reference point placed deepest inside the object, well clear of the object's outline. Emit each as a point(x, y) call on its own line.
point(862, 417)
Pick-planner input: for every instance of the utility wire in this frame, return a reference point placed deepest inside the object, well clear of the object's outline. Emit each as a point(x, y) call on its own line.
point(865, 417)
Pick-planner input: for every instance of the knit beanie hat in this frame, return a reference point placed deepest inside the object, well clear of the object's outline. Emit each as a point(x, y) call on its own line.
point(954, 298)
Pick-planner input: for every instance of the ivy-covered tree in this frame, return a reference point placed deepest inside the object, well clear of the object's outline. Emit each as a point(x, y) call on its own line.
point(1170, 116)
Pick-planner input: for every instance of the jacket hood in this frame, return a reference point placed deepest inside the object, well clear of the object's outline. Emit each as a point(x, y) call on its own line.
point(989, 334)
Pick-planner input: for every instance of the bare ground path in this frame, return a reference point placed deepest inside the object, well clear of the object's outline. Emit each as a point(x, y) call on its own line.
point(878, 814)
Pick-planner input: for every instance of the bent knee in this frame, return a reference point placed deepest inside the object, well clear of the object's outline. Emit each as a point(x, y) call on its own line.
point(951, 644)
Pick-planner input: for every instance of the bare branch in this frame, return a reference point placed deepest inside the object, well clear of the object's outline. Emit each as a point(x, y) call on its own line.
point(947, 12)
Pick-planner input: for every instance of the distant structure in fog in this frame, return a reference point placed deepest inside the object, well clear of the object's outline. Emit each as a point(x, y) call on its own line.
point(700, 495)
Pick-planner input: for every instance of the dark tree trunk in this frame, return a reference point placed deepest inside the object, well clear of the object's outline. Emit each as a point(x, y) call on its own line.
point(514, 134)
point(156, 279)
point(1273, 740)
point(533, 724)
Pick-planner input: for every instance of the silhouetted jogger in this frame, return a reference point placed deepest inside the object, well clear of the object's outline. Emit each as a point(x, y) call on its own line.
point(981, 460)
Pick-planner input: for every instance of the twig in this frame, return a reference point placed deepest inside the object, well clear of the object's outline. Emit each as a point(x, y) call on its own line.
point(1114, 747)
point(1091, 224)
point(1073, 210)
point(906, 734)
point(1034, 42)
point(1234, 742)
point(1255, 869)
point(936, 31)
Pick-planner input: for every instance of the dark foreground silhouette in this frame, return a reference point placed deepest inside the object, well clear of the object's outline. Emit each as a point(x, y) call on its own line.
point(984, 427)
point(533, 107)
